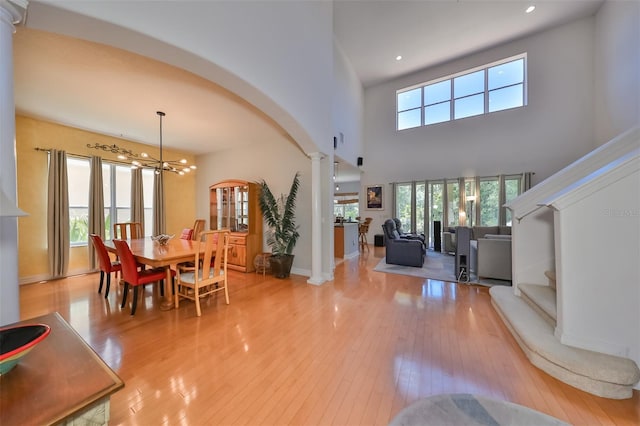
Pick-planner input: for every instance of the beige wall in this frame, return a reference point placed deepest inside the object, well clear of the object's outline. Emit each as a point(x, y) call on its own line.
point(32, 190)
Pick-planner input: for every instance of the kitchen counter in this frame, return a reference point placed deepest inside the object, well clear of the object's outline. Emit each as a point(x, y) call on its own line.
point(345, 239)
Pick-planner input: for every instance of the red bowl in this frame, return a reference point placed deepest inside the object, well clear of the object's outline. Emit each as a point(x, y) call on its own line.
point(16, 342)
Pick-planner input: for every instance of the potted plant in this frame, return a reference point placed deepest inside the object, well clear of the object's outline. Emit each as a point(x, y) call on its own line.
point(279, 214)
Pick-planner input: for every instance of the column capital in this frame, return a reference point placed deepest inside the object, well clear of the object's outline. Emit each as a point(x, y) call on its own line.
point(316, 155)
point(16, 10)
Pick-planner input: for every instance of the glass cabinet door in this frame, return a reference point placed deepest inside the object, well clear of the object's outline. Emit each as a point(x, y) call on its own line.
point(242, 208)
point(230, 208)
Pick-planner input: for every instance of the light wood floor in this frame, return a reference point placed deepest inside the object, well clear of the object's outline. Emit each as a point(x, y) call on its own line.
point(353, 351)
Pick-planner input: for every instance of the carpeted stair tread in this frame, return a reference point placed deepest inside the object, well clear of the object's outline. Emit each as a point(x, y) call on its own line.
point(543, 297)
point(601, 374)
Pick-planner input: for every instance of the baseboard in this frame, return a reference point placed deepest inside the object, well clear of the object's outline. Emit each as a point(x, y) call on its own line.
point(352, 255)
point(47, 277)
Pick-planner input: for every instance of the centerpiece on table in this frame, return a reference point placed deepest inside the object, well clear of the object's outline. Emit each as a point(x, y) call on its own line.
point(162, 239)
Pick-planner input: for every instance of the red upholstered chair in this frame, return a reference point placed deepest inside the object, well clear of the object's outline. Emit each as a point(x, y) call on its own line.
point(107, 266)
point(132, 276)
point(186, 234)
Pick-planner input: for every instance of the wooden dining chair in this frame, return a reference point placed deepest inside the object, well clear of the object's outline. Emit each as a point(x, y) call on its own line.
point(107, 266)
point(209, 278)
point(134, 277)
point(127, 230)
point(198, 227)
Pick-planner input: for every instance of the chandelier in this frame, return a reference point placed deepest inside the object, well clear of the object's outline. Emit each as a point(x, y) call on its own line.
point(146, 161)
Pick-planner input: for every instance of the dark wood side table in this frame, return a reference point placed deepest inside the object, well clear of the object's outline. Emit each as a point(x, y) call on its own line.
point(62, 379)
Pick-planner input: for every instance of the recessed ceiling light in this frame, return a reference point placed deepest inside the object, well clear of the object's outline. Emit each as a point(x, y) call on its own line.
point(399, 57)
point(530, 9)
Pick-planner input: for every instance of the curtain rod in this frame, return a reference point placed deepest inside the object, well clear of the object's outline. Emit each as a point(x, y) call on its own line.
point(48, 150)
point(461, 177)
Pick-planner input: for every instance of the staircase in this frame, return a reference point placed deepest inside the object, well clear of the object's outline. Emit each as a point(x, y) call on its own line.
point(582, 325)
point(531, 319)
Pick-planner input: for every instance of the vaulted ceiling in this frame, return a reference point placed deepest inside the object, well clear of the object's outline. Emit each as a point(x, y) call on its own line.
point(112, 91)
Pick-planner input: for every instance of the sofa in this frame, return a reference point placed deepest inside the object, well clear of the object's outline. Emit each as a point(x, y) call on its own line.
point(492, 257)
point(490, 251)
point(449, 235)
point(401, 251)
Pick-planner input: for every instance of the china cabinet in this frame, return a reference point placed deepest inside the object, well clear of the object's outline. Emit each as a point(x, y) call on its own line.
point(234, 206)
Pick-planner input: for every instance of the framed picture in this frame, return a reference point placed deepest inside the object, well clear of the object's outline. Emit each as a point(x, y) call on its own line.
point(374, 197)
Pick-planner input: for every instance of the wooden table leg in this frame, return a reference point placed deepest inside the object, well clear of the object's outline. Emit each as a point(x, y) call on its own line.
point(167, 302)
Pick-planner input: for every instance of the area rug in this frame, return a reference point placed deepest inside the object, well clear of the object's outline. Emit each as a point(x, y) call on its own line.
point(466, 409)
point(437, 266)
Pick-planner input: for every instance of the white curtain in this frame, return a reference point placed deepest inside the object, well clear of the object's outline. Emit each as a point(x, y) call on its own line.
point(96, 206)
point(159, 217)
point(58, 214)
point(137, 198)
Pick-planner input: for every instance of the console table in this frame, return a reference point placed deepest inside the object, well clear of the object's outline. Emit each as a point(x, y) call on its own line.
point(61, 381)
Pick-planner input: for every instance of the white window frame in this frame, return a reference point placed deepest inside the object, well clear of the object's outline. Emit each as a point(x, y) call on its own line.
point(112, 196)
point(452, 99)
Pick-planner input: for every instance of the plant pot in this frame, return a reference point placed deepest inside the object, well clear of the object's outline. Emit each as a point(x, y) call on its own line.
point(281, 265)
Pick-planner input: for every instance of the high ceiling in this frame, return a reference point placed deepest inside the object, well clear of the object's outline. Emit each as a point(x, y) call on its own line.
point(429, 32)
point(115, 92)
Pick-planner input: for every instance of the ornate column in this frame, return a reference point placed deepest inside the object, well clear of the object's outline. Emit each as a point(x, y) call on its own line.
point(316, 220)
point(11, 12)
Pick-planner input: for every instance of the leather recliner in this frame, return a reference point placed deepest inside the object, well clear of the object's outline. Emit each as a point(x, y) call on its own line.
point(402, 251)
point(408, 235)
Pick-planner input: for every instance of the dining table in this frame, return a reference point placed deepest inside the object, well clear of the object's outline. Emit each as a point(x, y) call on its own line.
point(151, 253)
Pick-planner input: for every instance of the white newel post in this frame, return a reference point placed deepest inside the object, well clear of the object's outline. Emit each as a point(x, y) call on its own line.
point(11, 13)
point(316, 220)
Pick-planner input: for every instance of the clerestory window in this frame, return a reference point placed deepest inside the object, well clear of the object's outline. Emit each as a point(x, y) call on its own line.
point(493, 87)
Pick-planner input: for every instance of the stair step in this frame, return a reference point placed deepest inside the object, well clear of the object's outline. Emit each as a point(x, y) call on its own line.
point(601, 374)
point(542, 299)
point(551, 276)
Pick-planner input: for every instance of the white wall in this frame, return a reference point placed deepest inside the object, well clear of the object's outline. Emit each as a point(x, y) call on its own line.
point(276, 55)
point(617, 69)
point(551, 132)
point(348, 109)
point(598, 278)
point(275, 159)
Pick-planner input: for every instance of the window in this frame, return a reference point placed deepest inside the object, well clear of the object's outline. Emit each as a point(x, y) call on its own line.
point(409, 109)
point(404, 205)
point(420, 207)
point(116, 181)
point(78, 177)
point(436, 190)
point(468, 94)
point(489, 202)
point(346, 205)
point(453, 202)
point(490, 88)
point(512, 188)
point(346, 211)
point(410, 206)
point(469, 201)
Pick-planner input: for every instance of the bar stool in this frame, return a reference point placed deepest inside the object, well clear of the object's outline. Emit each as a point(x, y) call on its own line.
point(363, 228)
